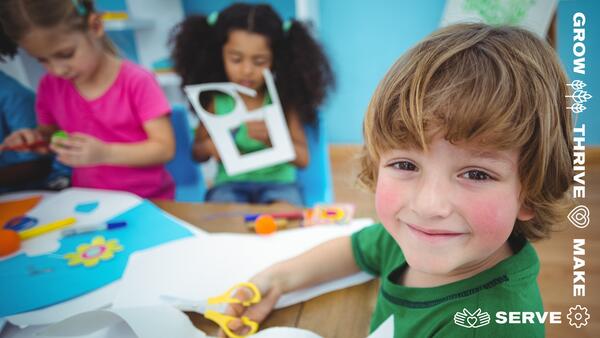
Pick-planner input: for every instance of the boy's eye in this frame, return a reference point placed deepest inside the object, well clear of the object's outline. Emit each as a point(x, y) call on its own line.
point(404, 165)
point(476, 175)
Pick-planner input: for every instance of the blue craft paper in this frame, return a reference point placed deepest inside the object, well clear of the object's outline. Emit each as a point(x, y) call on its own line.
point(30, 283)
point(86, 207)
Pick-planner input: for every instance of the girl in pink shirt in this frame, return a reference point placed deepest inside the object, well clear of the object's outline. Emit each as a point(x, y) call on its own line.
point(113, 110)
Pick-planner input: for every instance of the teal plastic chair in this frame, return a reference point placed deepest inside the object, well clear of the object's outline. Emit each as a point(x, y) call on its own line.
point(189, 182)
point(315, 180)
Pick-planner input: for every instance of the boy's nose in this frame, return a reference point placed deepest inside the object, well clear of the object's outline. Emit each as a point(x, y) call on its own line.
point(432, 199)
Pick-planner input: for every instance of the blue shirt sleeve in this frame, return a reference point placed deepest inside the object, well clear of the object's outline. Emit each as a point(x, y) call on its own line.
point(16, 112)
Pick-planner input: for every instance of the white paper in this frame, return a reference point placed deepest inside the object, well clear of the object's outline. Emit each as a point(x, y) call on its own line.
point(152, 322)
point(205, 266)
point(219, 127)
point(90, 301)
point(287, 332)
point(147, 322)
point(144, 322)
point(385, 330)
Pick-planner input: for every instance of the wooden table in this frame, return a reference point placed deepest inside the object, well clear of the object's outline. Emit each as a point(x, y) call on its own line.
point(344, 313)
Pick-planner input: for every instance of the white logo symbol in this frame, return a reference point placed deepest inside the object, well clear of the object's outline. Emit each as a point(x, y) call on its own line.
point(471, 320)
point(579, 96)
point(579, 216)
point(578, 316)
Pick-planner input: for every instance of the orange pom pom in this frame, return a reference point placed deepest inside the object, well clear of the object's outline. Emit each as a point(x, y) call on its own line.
point(265, 224)
point(9, 242)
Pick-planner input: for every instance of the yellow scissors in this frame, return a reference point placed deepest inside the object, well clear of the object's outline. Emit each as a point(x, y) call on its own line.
point(213, 308)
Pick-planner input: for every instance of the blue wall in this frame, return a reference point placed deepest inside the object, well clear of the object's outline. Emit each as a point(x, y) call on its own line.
point(285, 8)
point(363, 39)
point(591, 10)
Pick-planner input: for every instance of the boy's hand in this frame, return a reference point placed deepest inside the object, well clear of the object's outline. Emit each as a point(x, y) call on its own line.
point(270, 291)
point(258, 130)
point(26, 140)
point(80, 150)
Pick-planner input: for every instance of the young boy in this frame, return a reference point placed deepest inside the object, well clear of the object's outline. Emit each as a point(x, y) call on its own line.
point(468, 148)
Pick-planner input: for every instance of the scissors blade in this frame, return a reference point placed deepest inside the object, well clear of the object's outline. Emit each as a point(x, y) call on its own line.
point(189, 305)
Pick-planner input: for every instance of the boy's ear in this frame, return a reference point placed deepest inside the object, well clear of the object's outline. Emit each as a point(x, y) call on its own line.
point(96, 25)
point(525, 213)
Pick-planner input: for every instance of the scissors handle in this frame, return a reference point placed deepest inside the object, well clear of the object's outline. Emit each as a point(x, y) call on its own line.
point(223, 321)
point(227, 297)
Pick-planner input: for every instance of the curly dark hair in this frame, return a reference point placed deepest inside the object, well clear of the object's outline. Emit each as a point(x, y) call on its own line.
point(8, 48)
point(303, 74)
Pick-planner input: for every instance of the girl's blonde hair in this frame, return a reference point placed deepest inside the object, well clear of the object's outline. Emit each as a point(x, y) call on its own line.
point(500, 87)
point(18, 17)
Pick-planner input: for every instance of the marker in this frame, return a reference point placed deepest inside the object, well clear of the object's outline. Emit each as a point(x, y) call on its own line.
point(42, 229)
point(94, 227)
point(285, 215)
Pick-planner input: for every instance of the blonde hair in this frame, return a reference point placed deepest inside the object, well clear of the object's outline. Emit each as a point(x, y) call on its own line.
point(500, 87)
point(18, 17)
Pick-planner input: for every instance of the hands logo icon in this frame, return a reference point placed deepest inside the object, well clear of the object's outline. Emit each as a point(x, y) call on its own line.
point(471, 320)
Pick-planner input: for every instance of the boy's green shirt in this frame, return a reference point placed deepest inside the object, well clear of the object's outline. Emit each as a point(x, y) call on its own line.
point(425, 312)
point(279, 173)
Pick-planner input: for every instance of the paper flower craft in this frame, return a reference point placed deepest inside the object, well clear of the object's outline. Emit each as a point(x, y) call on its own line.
point(91, 254)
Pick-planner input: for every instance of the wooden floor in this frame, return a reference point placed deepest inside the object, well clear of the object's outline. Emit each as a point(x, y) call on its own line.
point(556, 254)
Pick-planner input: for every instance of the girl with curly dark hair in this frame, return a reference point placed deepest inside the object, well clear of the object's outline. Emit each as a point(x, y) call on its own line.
point(235, 45)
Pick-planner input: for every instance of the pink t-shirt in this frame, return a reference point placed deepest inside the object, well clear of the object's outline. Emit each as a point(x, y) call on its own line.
point(117, 115)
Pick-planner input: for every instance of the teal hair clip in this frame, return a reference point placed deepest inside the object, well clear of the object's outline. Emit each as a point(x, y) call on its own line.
point(211, 20)
point(286, 25)
point(79, 7)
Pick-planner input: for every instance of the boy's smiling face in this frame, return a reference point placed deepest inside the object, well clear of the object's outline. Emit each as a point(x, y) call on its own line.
point(451, 209)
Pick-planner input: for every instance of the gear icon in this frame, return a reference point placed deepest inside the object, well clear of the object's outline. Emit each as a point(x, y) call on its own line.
point(578, 316)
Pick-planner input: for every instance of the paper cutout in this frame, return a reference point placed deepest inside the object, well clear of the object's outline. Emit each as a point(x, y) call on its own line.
point(534, 15)
point(91, 254)
point(12, 209)
point(200, 267)
point(385, 330)
point(86, 207)
point(147, 226)
point(219, 126)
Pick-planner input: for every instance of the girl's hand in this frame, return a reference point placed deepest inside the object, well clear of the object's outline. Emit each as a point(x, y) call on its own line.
point(213, 150)
point(258, 130)
point(270, 291)
point(79, 150)
point(21, 138)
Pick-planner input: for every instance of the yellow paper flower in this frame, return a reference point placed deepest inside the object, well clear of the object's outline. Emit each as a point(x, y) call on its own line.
point(90, 254)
